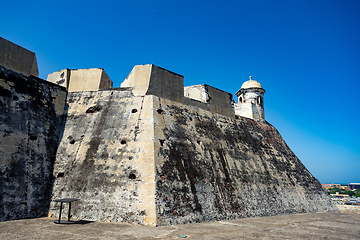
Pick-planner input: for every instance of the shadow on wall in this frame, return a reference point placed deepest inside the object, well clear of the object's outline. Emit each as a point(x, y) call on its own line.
point(32, 117)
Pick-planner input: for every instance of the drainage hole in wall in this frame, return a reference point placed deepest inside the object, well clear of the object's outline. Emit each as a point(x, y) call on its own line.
point(162, 142)
point(93, 109)
point(160, 111)
point(72, 141)
point(134, 110)
point(60, 175)
point(32, 137)
point(123, 141)
point(132, 176)
point(190, 118)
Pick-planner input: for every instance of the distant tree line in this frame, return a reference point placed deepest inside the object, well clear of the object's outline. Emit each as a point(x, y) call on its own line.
point(334, 190)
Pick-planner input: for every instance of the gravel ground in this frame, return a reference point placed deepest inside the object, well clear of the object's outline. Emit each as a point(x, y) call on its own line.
point(349, 208)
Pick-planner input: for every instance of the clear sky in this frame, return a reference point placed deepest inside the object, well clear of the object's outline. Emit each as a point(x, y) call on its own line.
point(305, 53)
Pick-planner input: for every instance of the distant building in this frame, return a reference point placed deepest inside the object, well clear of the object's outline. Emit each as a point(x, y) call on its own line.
point(331, 185)
point(348, 187)
point(352, 202)
point(354, 186)
point(339, 196)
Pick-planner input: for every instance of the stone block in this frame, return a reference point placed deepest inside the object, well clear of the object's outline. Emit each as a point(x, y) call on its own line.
point(17, 58)
point(153, 80)
point(76, 80)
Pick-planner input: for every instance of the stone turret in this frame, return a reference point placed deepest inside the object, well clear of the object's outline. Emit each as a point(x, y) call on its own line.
point(250, 101)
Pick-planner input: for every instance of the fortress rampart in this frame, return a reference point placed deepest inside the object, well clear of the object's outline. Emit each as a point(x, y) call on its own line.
point(151, 152)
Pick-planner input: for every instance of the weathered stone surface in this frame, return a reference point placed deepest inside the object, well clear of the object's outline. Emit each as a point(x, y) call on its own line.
point(179, 164)
point(212, 167)
point(106, 157)
point(31, 118)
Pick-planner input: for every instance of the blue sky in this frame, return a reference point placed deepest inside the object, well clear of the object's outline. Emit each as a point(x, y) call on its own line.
point(304, 53)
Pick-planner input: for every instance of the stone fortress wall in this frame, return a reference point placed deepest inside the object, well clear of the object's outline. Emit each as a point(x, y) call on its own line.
point(150, 152)
point(32, 113)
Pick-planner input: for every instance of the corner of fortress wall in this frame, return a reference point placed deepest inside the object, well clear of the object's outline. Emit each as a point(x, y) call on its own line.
point(106, 157)
point(153, 161)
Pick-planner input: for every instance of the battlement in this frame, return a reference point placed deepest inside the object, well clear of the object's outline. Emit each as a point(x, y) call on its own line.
point(153, 80)
point(210, 98)
point(149, 79)
point(75, 80)
point(17, 58)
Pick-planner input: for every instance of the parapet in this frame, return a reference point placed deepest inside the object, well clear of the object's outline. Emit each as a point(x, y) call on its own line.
point(153, 80)
point(212, 99)
point(17, 58)
point(76, 80)
point(149, 80)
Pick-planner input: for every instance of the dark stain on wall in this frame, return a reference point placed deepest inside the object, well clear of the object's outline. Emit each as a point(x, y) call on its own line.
point(220, 168)
point(87, 167)
point(103, 176)
point(30, 128)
